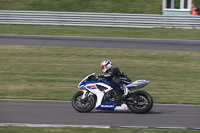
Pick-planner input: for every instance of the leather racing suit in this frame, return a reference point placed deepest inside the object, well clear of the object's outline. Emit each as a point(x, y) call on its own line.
point(116, 76)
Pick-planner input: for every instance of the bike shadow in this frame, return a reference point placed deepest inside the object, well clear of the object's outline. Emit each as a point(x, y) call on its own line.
point(124, 112)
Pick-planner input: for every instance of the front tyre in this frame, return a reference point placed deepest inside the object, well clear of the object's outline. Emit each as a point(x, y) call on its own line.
point(83, 105)
point(142, 102)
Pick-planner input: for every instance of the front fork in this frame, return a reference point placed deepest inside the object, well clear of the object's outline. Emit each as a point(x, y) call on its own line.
point(84, 94)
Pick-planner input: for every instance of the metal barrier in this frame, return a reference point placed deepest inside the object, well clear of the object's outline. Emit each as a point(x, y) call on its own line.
point(98, 19)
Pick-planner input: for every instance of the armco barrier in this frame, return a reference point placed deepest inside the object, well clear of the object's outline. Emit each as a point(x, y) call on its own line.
point(98, 19)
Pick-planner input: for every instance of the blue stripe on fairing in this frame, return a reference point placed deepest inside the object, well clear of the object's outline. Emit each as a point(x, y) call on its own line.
point(85, 82)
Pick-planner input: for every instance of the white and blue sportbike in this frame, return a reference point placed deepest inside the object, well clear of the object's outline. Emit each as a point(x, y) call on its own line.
point(103, 95)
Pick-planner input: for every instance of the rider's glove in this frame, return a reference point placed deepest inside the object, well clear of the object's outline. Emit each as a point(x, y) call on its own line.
point(96, 77)
point(101, 76)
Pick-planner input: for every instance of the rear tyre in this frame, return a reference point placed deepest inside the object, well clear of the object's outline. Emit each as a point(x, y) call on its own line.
point(142, 102)
point(83, 105)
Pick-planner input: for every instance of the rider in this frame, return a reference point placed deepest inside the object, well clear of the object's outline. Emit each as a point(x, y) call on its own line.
point(116, 76)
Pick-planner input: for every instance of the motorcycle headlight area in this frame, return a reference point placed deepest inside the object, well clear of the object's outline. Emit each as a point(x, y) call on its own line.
point(82, 87)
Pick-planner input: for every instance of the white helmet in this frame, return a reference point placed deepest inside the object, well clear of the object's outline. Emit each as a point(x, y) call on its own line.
point(106, 65)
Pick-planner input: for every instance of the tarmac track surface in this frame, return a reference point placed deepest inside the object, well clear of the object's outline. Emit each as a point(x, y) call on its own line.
point(92, 42)
point(61, 112)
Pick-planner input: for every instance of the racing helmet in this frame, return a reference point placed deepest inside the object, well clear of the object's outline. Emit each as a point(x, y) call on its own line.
point(106, 65)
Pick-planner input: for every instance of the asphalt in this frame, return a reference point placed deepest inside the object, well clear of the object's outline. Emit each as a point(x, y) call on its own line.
point(61, 112)
point(92, 42)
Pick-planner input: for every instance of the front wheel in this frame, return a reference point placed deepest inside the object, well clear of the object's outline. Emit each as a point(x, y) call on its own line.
point(142, 102)
point(83, 105)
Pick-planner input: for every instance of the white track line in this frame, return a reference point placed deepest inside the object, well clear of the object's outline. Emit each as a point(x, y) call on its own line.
point(94, 126)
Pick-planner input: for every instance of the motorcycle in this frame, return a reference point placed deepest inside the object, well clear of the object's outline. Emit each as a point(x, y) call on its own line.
point(104, 95)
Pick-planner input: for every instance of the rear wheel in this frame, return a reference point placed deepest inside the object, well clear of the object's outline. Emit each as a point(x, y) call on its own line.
point(142, 102)
point(83, 105)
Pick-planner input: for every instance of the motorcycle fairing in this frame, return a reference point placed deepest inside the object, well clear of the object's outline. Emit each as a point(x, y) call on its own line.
point(85, 82)
point(99, 94)
point(91, 86)
point(138, 84)
point(107, 106)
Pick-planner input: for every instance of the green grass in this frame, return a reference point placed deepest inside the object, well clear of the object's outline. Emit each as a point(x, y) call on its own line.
point(34, 72)
point(84, 130)
point(161, 33)
point(108, 6)
point(114, 6)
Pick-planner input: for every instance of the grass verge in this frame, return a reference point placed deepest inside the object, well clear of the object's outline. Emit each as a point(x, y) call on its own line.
point(160, 33)
point(34, 72)
point(113, 6)
point(84, 130)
